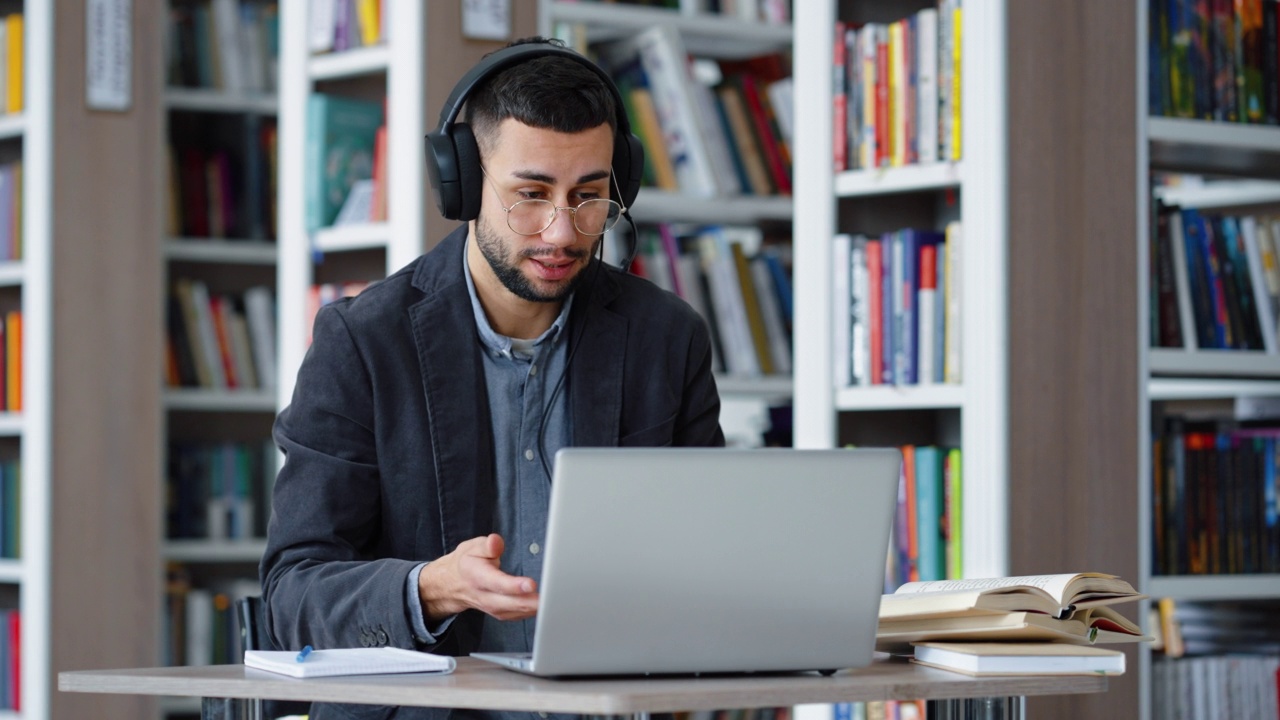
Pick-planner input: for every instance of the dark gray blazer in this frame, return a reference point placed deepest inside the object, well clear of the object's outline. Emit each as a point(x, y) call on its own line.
point(389, 453)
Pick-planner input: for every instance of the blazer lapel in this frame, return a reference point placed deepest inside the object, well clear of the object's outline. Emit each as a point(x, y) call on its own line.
point(595, 380)
point(459, 436)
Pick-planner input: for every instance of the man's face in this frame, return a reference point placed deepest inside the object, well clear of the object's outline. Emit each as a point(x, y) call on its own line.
point(527, 163)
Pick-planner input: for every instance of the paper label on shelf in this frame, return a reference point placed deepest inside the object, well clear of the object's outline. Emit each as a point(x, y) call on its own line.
point(486, 19)
point(109, 54)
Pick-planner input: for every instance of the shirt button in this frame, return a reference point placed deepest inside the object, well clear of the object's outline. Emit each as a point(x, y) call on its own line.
point(528, 454)
point(533, 369)
point(534, 548)
point(542, 714)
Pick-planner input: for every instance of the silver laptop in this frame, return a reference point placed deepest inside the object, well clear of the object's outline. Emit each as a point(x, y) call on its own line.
point(689, 561)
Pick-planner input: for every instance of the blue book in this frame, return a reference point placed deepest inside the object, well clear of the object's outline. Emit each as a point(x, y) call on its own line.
point(888, 329)
point(931, 560)
point(908, 280)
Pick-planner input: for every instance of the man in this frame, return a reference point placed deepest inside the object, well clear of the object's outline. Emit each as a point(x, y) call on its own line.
point(412, 503)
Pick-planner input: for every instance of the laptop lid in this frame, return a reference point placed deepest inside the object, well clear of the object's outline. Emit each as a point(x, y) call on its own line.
point(703, 560)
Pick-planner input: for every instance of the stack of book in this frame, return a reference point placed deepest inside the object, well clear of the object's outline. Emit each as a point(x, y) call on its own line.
point(1042, 624)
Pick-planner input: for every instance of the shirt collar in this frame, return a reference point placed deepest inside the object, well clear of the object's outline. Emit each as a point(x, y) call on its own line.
point(491, 339)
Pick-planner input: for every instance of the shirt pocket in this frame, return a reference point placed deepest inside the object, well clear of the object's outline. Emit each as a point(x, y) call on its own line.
point(659, 435)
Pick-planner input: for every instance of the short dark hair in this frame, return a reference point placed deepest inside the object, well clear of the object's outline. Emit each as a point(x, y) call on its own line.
point(551, 92)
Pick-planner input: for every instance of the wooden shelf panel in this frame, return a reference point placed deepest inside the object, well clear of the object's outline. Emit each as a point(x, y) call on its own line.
point(1215, 587)
point(214, 551)
point(370, 60)
point(11, 571)
point(654, 206)
point(12, 273)
point(210, 400)
point(1223, 194)
point(1214, 147)
point(1217, 363)
point(347, 238)
point(899, 397)
point(12, 126)
point(896, 180)
point(703, 34)
point(211, 100)
point(221, 251)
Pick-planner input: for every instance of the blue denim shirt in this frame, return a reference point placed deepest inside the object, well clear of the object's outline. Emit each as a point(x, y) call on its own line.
point(519, 377)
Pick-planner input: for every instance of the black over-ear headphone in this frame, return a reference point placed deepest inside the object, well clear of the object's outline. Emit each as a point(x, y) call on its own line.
point(453, 158)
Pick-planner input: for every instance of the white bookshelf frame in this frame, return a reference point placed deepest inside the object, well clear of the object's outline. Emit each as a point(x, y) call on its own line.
point(400, 60)
point(209, 100)
point(37, 314)
point(982, 399)
point(703, 34)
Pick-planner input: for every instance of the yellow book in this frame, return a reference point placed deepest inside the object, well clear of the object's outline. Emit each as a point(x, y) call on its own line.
point(956, 88)
point(664, 174)
point(955, 515)
point(897, 143)
point(13, 360)
point(369, 15)
point(13, 63)
point(755, 322)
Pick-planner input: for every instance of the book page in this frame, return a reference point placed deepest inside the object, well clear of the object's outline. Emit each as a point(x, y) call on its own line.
point(1055, 585)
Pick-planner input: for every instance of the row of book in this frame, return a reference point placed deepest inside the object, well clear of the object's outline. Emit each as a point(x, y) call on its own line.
point(229, 45)
point(12, 71)
point(222, 176)
point(735, 280)
point(1205, 628)
point(898, 307)
point(898, 89)
point(10, 509)
point(201, 627)
point(1214, 60)
point(1214, 500)
point(11, 210)
point(339, 25)
point(709, 128)
point(11, 659)
point(1223, 686)
point(220, 490)
point(220, 340)
point(926, 543)
point(11, 361)
point(1215, 281)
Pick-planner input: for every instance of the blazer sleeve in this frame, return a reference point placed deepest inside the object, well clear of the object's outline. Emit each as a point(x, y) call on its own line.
point(698, 423)
point(321, 583)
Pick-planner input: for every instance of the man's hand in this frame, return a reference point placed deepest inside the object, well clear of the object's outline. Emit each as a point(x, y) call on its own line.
point(470, 577)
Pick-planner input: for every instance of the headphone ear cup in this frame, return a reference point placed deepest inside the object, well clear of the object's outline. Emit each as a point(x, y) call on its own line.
point(442, 170)
point(470, 177)
point(628, 166)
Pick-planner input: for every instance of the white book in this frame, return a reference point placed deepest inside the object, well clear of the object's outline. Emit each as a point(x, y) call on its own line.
point(209, 344)
point(662, 55)
point(781, 98)
point(199, 627)
point(946, 70)
point(927, 330)
point(260, 316)
point(226, 28)
point(728, 305)
point(1026, 658)
point(775, 327)
point(241, 352)
point(1182, 281)
point(253, 48)
point(1270, 265)
point(952, 283)
point(348, 661)
point(1257, 278)
point(321, 22)
point(860, 311)
point(703, 75)
point(841, 292)
point(927, 85)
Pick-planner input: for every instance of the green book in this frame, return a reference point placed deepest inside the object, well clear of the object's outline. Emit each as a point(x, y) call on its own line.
point(339, 151)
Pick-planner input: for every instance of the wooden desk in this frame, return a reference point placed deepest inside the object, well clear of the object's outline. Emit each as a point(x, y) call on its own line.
point(480, 685)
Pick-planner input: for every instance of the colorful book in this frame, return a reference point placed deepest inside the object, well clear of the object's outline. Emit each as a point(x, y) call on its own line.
point(341, 135)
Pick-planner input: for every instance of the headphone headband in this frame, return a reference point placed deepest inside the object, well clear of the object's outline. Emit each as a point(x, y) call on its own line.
point(453, 158)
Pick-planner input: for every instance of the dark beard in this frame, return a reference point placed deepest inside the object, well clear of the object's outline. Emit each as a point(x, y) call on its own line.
point(512, 279)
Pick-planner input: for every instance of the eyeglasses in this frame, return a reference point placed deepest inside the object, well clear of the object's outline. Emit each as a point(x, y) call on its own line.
point(530, 217)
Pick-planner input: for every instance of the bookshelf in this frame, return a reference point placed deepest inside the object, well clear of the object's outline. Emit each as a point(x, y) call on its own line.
point(1239, 164)
point(219, 107)
point(880, 199)
point(589, 26)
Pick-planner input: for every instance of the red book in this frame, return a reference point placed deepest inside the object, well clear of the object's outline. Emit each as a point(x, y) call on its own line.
point(840, 140)
point(219, 310)
point(875, 308)
point(778, 169)
point(882, 97)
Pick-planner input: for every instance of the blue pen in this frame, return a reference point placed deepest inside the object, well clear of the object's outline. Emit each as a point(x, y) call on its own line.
point(306, 650)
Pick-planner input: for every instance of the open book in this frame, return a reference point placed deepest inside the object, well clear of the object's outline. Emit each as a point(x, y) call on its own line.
point(1057, 595)
point(1071, 608)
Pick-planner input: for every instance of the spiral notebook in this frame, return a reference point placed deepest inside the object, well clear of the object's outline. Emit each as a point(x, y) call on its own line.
point(349, 661)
